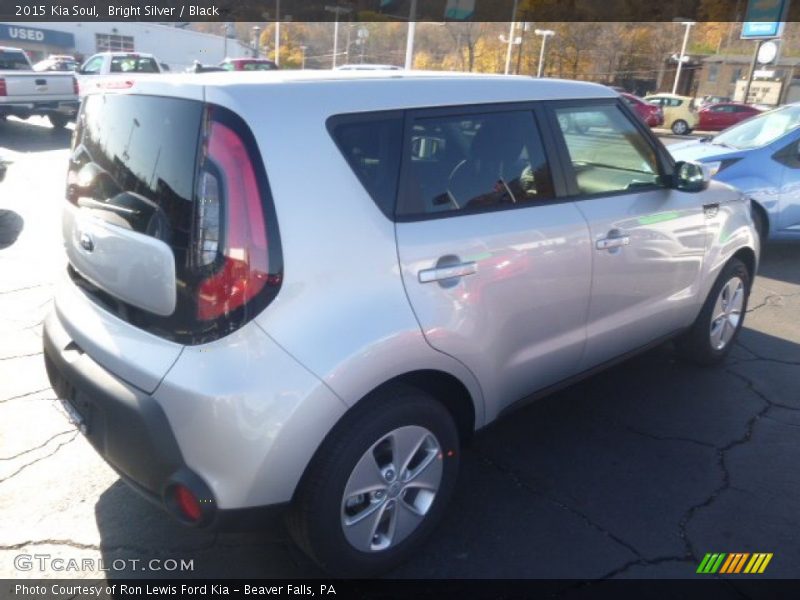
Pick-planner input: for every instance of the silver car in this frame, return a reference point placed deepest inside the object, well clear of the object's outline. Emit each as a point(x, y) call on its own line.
point(305, 291)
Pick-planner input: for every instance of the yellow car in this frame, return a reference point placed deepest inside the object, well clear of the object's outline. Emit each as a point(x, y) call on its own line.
point(680, 114)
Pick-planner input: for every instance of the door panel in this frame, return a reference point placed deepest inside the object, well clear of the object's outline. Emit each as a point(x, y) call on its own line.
point(647, 242)
point(517, 321)
point(496, 269)
point(648, 287)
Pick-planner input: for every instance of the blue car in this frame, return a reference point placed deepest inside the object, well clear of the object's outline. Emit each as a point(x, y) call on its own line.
point(761, 157)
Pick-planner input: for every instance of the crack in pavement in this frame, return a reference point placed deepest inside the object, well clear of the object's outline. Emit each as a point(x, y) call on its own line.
point(25, 395)
point(149, 550)
point(16, 356)
point(25, 466)
point(39, 447)
point(669, 438)
point(516, 478)
point(721, 456)
point(768, 300)
point(759, 357)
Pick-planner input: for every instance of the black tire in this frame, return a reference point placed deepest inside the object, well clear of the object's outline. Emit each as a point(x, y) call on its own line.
point(58, 121)
point(680, 127)
point(695, 345)
point(314, 520)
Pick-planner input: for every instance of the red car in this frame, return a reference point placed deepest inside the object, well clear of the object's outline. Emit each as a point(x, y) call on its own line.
point(248, 64)
point(719, 116)
point(649, 113)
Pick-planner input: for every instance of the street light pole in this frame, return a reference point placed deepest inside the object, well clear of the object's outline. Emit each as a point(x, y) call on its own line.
point(303, 50)
point(545, 33)
point(511, 37)
point(412, 29)
point(277, 31)
point(336, 10)
point(688, 25)
point(256, 30)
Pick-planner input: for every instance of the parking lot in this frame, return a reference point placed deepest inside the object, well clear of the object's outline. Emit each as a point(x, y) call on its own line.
point(636, 472)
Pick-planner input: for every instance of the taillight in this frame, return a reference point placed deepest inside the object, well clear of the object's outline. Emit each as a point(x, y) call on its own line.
point(3, 90)
point(229, 225)
point(75, 86)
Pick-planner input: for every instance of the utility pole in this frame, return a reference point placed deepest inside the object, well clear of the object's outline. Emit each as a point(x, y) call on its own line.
point(511, 37)
point(277, 31)
point(412, 29)
point(752, 71)
point(545, 33)
point(337, 11)
point(688, 25)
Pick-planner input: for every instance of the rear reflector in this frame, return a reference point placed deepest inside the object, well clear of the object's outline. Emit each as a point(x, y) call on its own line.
point(245, 259)
point(187, 503)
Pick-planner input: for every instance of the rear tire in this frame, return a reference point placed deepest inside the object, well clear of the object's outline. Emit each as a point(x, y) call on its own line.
point(352, 534)
point(680, 127)
point(714, 331)
point(358, 534)
point(58, 121)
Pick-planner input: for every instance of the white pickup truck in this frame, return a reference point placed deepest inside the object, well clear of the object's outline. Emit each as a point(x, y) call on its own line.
point(114, 69)
point(24, 92)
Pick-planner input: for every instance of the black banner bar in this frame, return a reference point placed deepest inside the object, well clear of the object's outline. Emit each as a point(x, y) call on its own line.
point(385, 589)
point(377, 10)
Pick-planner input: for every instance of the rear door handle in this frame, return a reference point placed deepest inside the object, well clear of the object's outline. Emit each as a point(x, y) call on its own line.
point(448, 272)
point(613, 242)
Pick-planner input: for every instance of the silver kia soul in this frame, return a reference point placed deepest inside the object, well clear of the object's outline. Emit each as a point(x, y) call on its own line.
point(307, 290)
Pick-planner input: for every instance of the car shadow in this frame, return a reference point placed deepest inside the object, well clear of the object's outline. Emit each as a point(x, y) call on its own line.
point(781, 261)
point(33, 135)
point(639, 462)
point(11, 225)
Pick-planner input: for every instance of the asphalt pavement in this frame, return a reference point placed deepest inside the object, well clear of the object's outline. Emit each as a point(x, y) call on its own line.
point(637, 472)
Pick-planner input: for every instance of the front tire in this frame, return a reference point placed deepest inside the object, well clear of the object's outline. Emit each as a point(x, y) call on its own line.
point(680, 127)
point(714, 331)
point(378, 485)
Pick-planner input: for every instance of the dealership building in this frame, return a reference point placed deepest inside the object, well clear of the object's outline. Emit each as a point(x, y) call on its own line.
point(173, 45)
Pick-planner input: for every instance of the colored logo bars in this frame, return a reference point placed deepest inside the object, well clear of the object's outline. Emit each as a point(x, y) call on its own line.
point(741, 562)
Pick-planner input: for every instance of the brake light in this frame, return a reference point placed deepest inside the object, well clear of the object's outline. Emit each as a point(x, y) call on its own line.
point(3, 90)
point(228, 186)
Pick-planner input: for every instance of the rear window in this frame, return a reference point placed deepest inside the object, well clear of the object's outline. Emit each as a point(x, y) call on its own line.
point(133, 64)
point(372, 147)
point(13, 61)
point(133, 165)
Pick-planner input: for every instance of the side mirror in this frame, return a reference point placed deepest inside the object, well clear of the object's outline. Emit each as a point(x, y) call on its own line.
point(691, 176)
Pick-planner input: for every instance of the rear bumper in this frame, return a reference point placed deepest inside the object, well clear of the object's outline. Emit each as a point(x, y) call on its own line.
point(130, 430)
point(64, 107)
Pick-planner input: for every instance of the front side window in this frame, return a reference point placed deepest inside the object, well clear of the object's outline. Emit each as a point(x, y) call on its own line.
point(473, 162)
point(93, 66)
point(607, 151)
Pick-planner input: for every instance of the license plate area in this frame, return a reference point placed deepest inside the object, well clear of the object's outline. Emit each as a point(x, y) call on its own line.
point(77, 410)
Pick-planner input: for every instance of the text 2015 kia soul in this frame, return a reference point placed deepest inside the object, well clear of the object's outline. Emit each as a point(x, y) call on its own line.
point(309, 289)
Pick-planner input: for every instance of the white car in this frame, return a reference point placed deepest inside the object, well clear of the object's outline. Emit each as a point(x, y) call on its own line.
point(278, 301)
point(114, 69)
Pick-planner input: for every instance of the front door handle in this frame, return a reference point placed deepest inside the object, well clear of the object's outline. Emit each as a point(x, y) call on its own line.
point(613, 242)
point(448, 272)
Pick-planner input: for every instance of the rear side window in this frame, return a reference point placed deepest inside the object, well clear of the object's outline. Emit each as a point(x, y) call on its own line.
point(13, 61)
point(372, 147)
point(607, 151)
point(473, 162)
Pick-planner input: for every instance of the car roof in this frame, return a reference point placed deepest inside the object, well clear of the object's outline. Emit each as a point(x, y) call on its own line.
point(355, 91)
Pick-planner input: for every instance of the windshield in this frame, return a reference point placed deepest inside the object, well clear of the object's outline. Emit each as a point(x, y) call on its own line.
point(761, 130)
